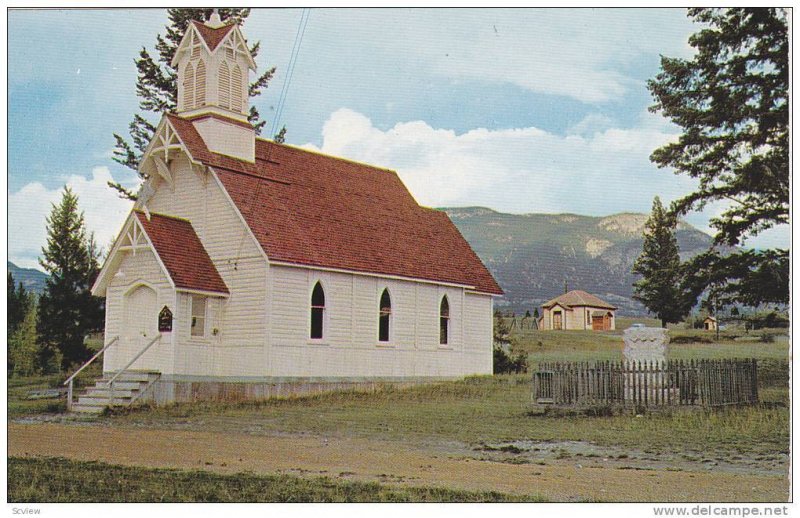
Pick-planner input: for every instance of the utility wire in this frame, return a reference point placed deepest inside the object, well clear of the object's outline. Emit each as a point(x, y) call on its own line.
point(298, 40)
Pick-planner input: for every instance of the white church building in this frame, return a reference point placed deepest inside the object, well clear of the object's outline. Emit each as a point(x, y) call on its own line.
point(249, 268)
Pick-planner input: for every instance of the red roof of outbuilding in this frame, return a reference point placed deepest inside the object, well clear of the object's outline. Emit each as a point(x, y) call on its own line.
point(578, 298)
point(212, 36)
point(317, 210)
point(182, 253)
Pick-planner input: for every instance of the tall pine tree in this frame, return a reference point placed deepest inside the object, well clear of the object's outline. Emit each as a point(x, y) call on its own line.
point(732, 101)
point(660, 288)
point(157, 86)
point(67, 309)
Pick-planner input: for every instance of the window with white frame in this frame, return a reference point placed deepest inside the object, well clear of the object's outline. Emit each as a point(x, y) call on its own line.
point(444, 321)
point(384, 316)
point(317, 312)
point(199, 305)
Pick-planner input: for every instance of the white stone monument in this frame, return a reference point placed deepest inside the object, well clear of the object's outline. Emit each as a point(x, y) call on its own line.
point(645, 344)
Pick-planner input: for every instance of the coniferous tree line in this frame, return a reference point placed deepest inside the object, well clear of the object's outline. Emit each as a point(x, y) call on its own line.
point(732, 101)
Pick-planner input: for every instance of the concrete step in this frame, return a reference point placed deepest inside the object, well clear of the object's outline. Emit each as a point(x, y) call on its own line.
point(103, 401)
point(120, 385)
point(87, 409)
point(127, 388)
point(105, 392)
point(144, 376)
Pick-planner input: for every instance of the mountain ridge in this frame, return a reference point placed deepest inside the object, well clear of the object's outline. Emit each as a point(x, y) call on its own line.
point(533, 255)
point(31, 278)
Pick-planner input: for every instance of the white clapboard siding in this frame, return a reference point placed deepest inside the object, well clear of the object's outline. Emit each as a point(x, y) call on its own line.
point(350, 346)
point(428, 317)
point(135, 270)
point(478, 331)
point(198, 198)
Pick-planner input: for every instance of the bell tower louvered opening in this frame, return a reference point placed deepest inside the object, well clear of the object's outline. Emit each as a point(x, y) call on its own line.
point(213, 63)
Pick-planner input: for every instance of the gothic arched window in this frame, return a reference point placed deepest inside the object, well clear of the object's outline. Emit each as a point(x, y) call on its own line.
point(200, 85)
point(444, 321)
point(188, 87)
point(384, 316)
point(317, 311)
point(236, 89)
point(224, 85)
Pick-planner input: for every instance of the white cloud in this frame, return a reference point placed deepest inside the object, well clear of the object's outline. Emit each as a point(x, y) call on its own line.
point(513, 170)
point(104, 213)
point(526, 169)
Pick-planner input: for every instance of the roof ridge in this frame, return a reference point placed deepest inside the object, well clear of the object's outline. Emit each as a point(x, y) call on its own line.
point(326, 155)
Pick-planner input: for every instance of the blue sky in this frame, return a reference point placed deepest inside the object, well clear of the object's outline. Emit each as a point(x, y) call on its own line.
point(519, 110)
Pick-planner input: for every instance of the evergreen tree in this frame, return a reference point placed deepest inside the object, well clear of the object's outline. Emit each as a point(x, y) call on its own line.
point(660, 289)
point(67, 309)
point(23, 346)
point(157, 86)
point(732, 101)
point(19, 302)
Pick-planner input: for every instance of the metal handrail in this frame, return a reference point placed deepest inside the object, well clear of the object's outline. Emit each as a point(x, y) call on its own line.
point(70, 380)
point(125, 368)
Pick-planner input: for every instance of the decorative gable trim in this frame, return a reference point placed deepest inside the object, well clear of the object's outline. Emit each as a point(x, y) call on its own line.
point(165, 140)
point(233, 37)
point(235, 40)
point(155, 160)
point(131, 239)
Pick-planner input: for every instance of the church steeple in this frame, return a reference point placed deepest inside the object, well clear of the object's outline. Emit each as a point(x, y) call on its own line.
point(213, 64)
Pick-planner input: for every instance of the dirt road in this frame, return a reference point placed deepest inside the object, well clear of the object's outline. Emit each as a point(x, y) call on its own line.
point(387, 462)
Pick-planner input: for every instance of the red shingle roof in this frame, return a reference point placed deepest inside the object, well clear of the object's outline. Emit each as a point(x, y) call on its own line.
point(213, 37)
point(578, 298)
point(182, 253)
point(312, 209)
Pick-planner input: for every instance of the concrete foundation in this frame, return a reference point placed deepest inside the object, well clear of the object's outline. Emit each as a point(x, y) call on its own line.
point(191, 389)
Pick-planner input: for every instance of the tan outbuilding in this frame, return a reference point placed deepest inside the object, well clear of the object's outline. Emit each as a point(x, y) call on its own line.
point(710, 324)
point(578, 310)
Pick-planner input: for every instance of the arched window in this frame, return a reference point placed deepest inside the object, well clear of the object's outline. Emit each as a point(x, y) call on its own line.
point(317, 311)
point(224, 85)
point(444, 321)
point(188, 87)
point(236, 89)
point(200, 82)
point(384, 316)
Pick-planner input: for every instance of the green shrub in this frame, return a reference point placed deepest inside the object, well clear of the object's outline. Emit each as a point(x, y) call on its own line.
point(504, 363)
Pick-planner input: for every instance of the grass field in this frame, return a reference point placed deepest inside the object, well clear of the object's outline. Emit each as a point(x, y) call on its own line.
point(60, 480)
point(20, 390)
point(478, 411)
point(541, 346)
point(485, 418)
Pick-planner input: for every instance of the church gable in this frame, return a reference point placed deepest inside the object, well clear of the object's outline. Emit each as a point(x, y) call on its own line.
point(165, 146)
point(176, 247)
